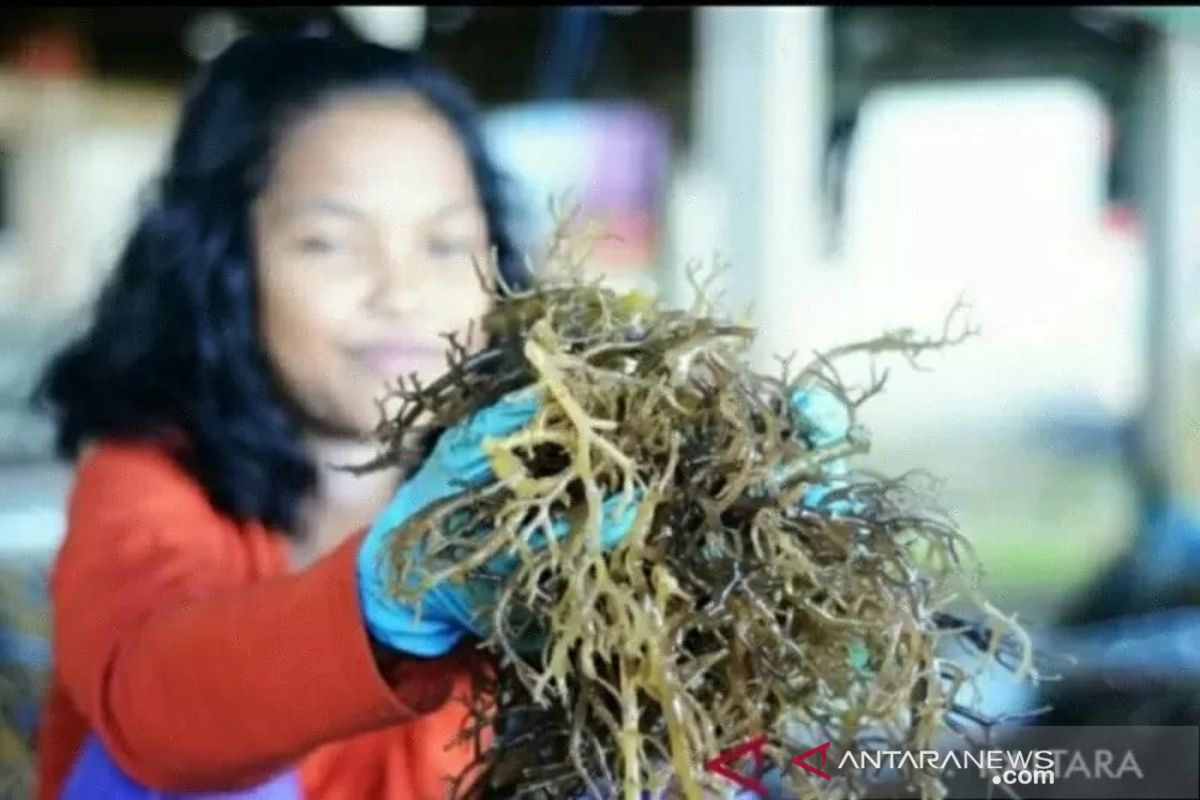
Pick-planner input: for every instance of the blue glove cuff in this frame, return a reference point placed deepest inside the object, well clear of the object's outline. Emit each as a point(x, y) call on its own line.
point(388, 620)
point(398, 627)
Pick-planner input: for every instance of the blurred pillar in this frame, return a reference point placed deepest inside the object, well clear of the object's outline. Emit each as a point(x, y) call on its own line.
point(44, 228)
point(761, 116)
point(394, 26)
point(1171, 197)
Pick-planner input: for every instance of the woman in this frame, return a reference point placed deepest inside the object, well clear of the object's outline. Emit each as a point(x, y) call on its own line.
point(218, 626)
point(222, 626)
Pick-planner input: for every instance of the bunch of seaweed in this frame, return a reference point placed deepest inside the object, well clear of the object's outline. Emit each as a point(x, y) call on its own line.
point(734, 607)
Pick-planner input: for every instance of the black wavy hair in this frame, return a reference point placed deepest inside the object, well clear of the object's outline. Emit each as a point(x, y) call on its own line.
point(173, 352)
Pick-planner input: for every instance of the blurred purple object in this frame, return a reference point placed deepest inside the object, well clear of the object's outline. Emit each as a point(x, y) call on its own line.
point(631, 158)
point(613, 157)
point(97, 777)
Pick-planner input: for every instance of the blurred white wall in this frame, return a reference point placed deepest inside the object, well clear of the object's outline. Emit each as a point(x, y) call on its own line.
point(995, 190)
point(78, 155)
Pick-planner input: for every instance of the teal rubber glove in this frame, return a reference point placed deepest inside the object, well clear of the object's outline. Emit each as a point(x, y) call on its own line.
point(449, 611)
point(825, 421)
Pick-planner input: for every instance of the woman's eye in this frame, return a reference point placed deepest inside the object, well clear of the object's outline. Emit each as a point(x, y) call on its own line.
point(318, 245)
point(449, 248)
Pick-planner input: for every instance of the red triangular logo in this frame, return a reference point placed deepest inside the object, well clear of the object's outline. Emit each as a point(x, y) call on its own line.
point(723, 765)
point(822, 749)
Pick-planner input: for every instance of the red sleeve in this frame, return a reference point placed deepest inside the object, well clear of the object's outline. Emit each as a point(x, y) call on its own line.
point(193, 679)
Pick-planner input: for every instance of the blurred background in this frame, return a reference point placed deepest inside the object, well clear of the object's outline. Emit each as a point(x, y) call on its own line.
point(859, 169)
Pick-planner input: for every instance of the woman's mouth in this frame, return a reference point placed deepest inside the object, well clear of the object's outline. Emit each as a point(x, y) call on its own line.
point(398, 357)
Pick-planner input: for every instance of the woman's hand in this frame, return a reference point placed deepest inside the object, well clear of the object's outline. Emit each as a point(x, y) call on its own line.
point(451, 610)
point(825, 422)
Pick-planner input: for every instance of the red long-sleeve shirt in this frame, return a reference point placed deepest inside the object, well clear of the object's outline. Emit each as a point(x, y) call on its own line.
point(183, 641)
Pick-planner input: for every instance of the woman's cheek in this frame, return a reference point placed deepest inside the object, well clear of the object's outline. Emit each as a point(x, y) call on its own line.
point(304, 339)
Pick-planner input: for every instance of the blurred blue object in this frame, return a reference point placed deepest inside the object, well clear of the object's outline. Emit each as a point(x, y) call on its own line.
point(1168, 550)
point(1156, 646)
point(1158, 571)
point(569, 50)
point(27, 650)
point(1129, 645)
point(1084, 433)
point(96, 775)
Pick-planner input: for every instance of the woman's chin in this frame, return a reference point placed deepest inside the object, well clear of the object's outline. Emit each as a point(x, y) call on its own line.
point(366, 415)
point(426, 369)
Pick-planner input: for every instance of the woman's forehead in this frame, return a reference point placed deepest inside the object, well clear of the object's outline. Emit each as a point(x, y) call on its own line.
point(374, 153)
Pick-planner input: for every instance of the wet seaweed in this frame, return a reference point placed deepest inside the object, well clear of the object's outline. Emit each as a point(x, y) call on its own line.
point(732, 608)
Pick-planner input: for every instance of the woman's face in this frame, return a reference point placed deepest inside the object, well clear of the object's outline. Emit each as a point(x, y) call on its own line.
point(364, 243)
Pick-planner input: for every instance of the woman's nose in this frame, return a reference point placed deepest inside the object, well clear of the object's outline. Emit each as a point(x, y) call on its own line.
point(396, 288)
point(395, 294)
